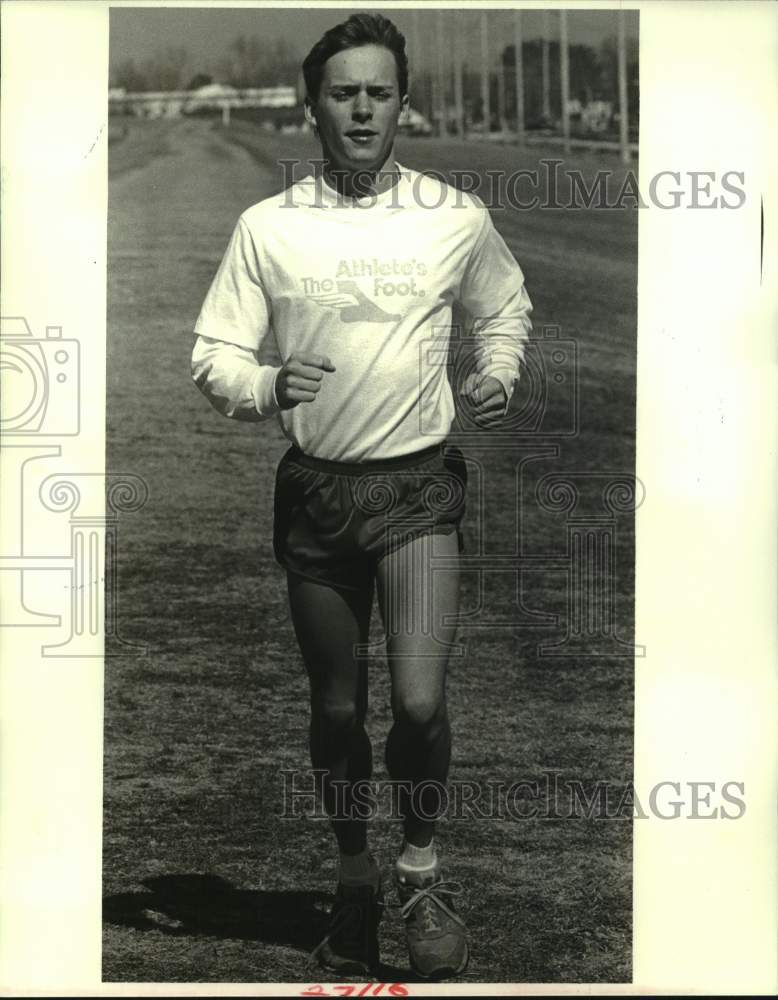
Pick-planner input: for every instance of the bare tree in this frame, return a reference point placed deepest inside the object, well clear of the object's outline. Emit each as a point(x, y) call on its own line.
point(127, 75)
point(168, 70)
point(254, 62)
point(250, 61)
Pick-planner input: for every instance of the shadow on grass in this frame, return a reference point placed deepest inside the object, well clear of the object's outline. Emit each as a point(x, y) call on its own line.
point(208, 904)
point(187, 905)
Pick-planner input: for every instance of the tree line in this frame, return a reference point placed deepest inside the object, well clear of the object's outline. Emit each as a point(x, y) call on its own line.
point(251, 61)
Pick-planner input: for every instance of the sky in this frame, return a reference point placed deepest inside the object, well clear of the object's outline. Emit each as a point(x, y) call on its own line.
point(139, 32)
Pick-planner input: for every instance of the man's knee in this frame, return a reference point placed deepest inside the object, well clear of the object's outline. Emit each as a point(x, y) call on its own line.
point(424, 714)
point(336, 715)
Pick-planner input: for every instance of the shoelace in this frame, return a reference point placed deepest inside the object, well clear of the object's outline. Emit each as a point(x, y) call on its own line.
point(430, 897)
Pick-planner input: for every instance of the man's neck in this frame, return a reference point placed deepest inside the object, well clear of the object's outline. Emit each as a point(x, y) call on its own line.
point(362, 183)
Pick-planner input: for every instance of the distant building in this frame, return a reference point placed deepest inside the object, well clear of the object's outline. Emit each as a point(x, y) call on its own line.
point(209, 98)
point(596, 116)
point(214, 95)
point(413, 122)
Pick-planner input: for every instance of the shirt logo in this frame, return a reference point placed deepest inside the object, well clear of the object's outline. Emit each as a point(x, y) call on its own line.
point(354, 305)
point(389, 278)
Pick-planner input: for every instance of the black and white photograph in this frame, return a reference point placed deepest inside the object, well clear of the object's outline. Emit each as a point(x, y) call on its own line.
point(387, 534)
point(381, 725)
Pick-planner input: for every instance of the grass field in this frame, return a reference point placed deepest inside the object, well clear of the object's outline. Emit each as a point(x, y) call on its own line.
point(203, 881)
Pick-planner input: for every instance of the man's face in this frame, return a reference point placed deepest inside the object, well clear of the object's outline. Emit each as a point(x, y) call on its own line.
point(357, 108)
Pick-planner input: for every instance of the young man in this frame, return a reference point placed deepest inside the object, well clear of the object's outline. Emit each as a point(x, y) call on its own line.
point(351, 274)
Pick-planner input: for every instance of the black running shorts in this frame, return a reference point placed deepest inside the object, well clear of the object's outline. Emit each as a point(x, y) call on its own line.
point(333, 521)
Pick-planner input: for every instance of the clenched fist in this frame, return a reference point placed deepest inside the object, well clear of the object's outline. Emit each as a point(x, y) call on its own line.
point(300, 379)
point(485, 398)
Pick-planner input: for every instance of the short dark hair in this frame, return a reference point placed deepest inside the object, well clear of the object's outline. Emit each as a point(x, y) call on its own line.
point(358, 30)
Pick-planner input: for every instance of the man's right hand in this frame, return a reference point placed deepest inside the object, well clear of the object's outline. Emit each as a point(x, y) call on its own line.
point(300, 379)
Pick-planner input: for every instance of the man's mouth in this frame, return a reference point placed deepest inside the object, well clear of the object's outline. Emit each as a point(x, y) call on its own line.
point(362, 136)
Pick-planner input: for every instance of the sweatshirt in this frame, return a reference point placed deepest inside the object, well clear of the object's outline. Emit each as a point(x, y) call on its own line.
point(370, 283)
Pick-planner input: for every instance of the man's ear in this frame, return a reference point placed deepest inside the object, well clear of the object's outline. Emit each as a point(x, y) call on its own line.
point(310, 114)
point(404, 105)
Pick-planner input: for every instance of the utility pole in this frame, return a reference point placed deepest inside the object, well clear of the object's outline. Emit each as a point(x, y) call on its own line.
point(426, 82)
point(485, 92)
point(414, 56)
point(519, 76)
point(623, 109)
point(441, 76)
point(545, 70)
point(564, 76)
point(501, 91)
point(459, 104)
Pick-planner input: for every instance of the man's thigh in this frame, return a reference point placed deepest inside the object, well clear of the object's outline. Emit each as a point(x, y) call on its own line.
point(418, 595)
point(330, 624)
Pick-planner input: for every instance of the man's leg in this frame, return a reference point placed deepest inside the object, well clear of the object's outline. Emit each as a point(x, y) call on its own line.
point(414, 600)
point(329, 624)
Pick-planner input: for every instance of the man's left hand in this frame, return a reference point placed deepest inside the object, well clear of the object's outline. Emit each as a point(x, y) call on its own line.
point(485, 399)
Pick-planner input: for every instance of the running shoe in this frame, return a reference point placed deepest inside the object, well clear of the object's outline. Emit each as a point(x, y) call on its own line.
point(437, 940)
point(350, 946)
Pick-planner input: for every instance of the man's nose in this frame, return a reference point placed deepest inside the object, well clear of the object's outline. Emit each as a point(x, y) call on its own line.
point(362, 106)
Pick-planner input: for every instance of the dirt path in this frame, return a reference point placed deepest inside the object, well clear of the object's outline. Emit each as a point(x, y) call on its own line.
point(169, 221)
point(196, 167)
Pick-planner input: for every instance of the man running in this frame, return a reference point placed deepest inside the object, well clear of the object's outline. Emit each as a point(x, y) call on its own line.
point(350, 274)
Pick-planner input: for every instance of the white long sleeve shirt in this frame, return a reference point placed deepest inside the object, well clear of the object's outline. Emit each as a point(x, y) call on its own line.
point(371, 285)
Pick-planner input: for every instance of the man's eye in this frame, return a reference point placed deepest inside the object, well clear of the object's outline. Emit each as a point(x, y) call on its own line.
point(340, 95)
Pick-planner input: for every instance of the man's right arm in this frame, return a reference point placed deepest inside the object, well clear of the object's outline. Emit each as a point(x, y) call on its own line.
point(233, 323)
point(233, 381)
point(238, 386)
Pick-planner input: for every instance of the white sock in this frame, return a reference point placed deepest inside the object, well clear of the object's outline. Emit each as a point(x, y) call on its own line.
point(415, 859)
point(358, 869)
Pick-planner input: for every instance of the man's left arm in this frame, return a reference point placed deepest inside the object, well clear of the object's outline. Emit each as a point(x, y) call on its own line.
point(494, 293)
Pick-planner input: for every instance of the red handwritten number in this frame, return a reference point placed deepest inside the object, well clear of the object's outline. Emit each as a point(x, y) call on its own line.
point(395, 990)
